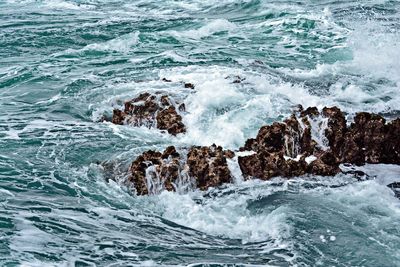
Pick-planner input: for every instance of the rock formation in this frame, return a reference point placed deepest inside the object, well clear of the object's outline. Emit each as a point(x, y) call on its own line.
point(370, 140)
point(151, 110)
point(287, 149)
point(155, 171)
point(308, 142)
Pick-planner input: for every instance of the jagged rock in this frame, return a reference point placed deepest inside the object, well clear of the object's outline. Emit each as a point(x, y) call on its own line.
point(336, 129)
point(154, 171)
point(189, 85)
point(151, 110)
point(235, 78)
point(285, 149)
point(391, 146)
point(370, 140)
point(168, 119)
point(396, 188)
point(367, 140)
point(326, 164)
point(310, 111)
point(281, 148)
point(364, 139)
point(208, 166)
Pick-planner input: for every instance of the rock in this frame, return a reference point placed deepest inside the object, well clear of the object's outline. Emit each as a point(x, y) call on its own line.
point(310, 111)
point(118, 117)
point(235, 78)
point(396, 188)
point(208, 166)
point(281, 148)
point(363, 142)
point(154, 171)
point(264, 165)
point(189, 85)
point(391, 146)
point(285, 149)
point(151, 110)
point(168, 119)
point(370, 140)
point(336, 129)
point(326, 164)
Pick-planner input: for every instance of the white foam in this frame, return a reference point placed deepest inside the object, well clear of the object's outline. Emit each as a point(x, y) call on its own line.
point(318, 127)
point(210, 28)
point(12, 134)
point(227, 216)
point(244, 153)
point(382, 173)
point(120, 44)
point(297, 158)
point(59, 4)
point(221, 112)
point(235, 170)
point(310, 159)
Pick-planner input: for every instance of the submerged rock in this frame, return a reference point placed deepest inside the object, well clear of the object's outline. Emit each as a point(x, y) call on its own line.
point(151, 110)
point(154, 171)
point(396, 188)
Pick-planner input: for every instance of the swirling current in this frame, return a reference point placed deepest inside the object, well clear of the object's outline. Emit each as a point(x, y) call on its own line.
point(66, 63)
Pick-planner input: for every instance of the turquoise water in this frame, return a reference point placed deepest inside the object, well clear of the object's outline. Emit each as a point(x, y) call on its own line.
point(65, 64)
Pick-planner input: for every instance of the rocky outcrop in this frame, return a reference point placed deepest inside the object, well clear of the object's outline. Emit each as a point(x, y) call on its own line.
point(151, 110)
point(208, 166)
point(308, 142)
point(370, 140)
point(154, 171)
point(288, 149)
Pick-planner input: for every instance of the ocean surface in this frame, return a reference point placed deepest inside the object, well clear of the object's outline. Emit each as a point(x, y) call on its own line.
point(66, 64)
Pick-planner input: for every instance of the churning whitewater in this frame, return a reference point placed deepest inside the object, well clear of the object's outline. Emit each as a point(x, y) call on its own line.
point(65, 66)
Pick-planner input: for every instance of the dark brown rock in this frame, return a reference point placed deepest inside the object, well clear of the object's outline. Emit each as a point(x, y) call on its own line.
point(264, 165)
point(391, 146)
point(168, 119)
point(326, 164)
point(151, 111)
point(153, 171)
point(270, 138)
point(336, 129)
point(370, 140)
point(364, 139)
point(283, 149)
point(310, 111)
point(165, 169)
point(189, 85)
point(118, 117)
point(280, 149)
point(208, 166)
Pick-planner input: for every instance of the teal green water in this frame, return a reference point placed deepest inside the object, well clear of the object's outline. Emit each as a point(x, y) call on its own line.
point(65, 64)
